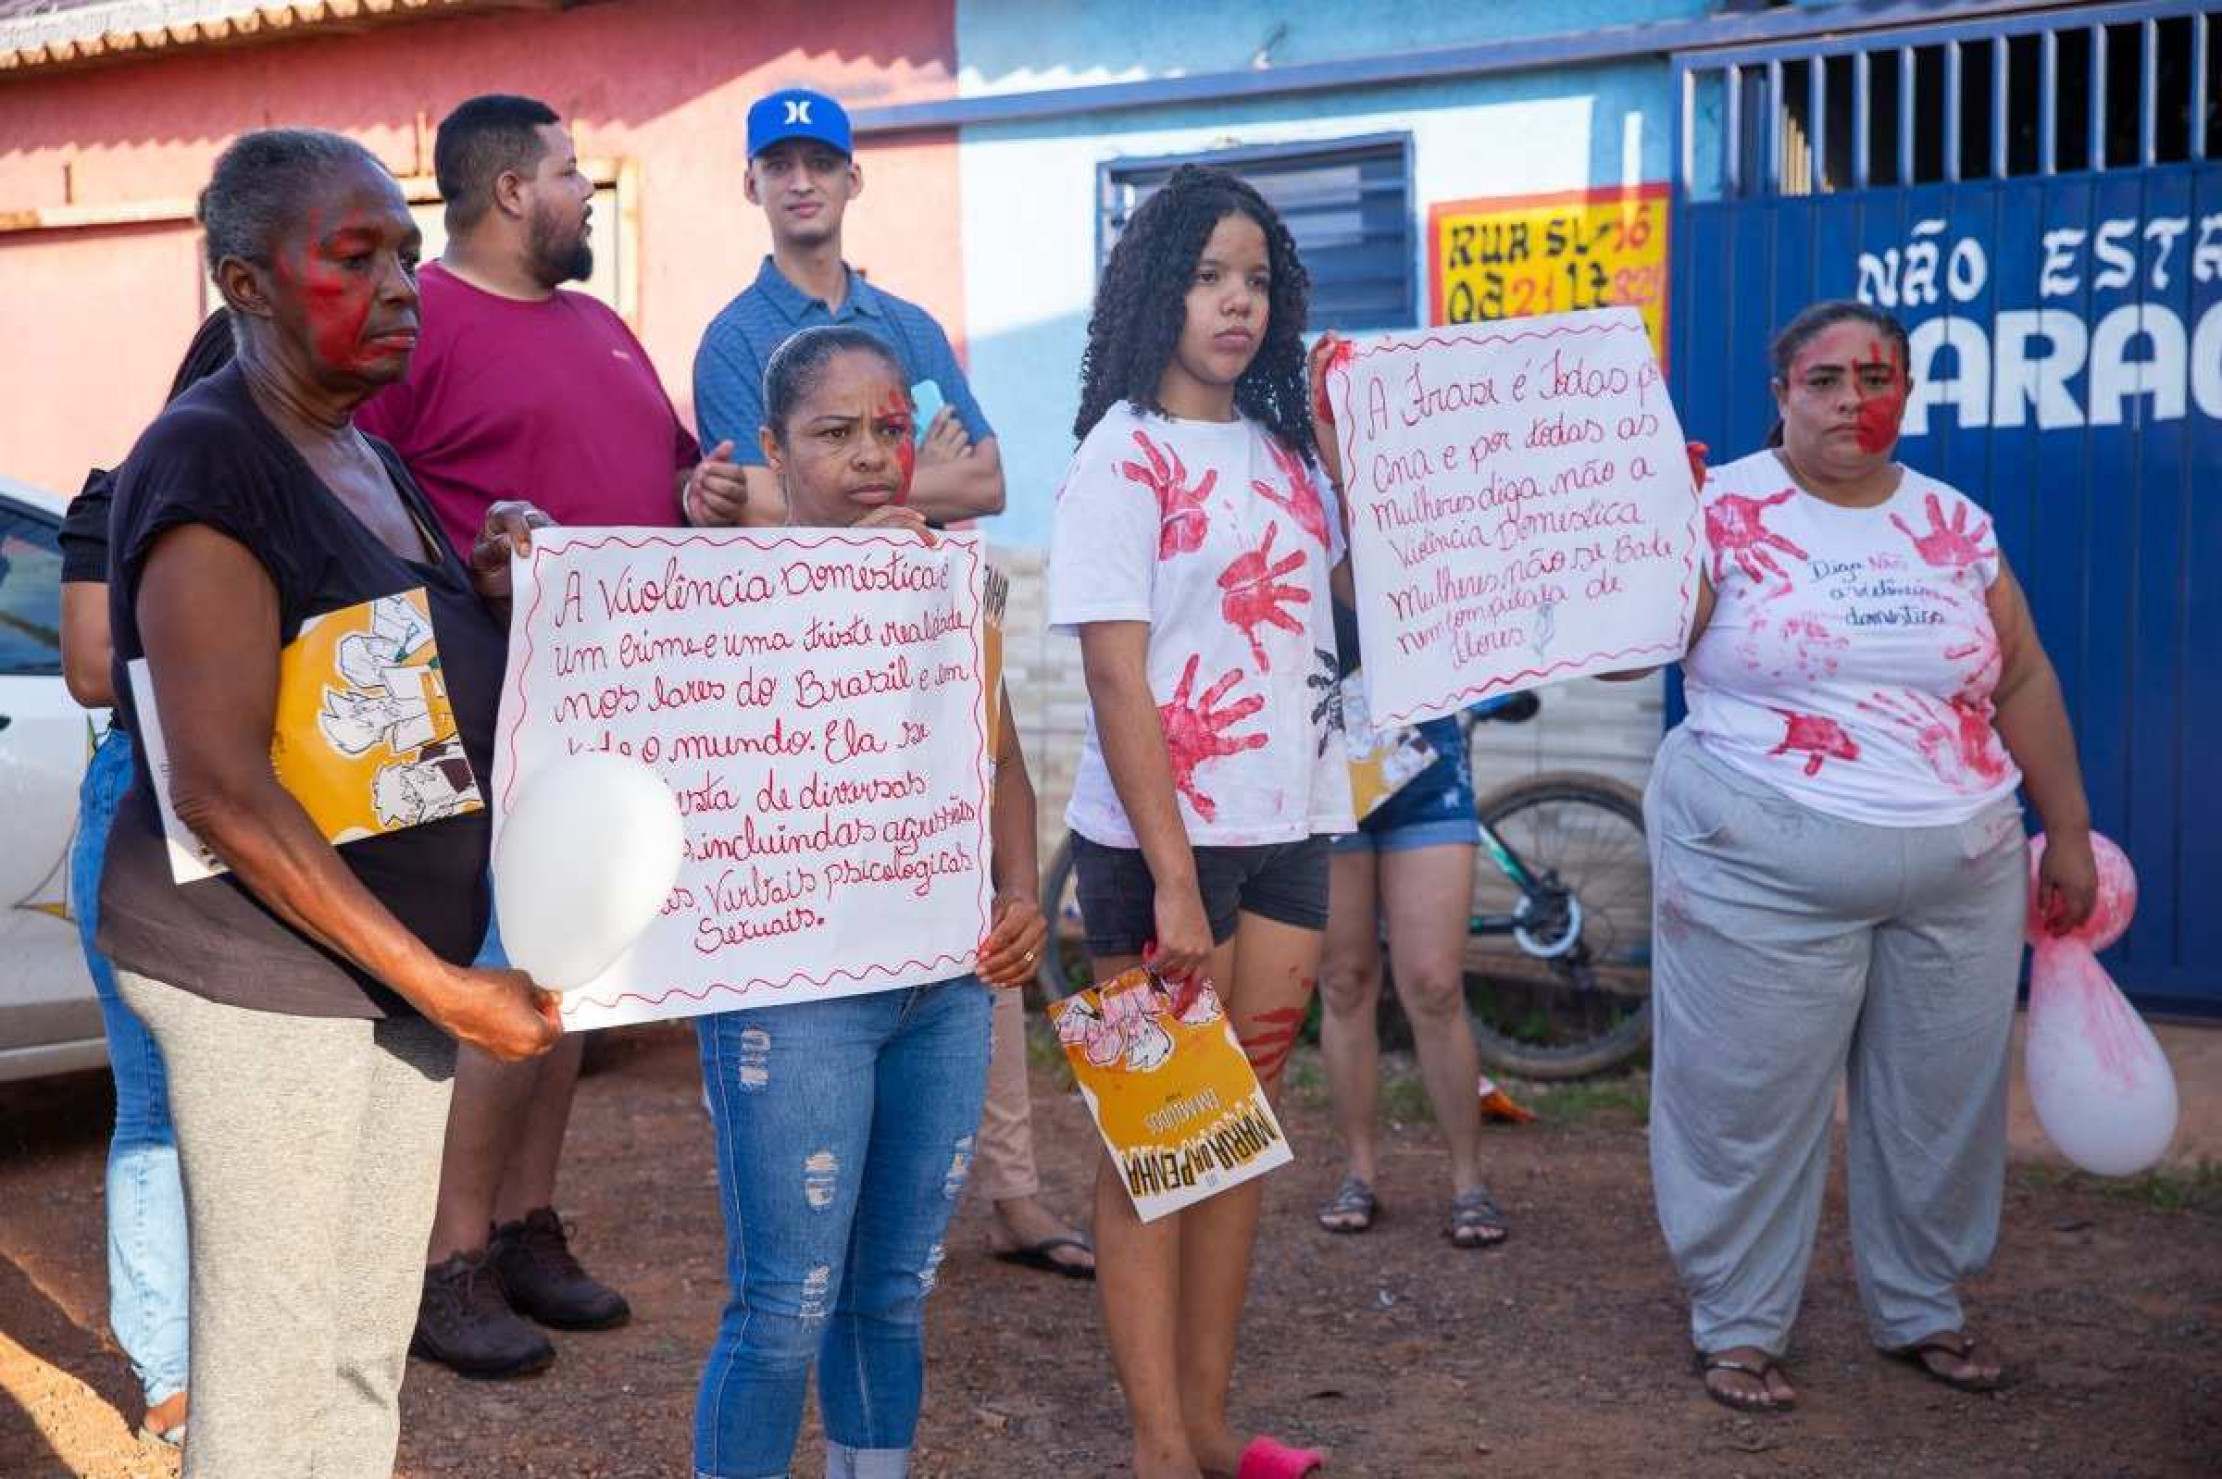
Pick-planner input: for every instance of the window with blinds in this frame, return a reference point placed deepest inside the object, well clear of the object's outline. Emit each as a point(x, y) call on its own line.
point(1347, 202)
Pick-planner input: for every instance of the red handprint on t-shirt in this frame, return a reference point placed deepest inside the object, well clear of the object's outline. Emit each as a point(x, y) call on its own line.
point(1180, 508)
point(1256, 594)
point(1301, 502)
point(1195, 730)
point(1736, 526)
point(1955, 736)
point(1818, 737)
point(1949, 546)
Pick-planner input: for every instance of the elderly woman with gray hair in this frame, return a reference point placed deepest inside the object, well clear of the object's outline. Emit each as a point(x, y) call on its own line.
point(307, 1000)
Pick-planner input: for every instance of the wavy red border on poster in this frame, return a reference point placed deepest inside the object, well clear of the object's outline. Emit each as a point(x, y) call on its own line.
point(1448, 336)
point(972, 553)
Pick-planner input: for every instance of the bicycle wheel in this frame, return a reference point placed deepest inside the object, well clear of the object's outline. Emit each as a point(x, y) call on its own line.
point(1063, 968)
point(1568, 994)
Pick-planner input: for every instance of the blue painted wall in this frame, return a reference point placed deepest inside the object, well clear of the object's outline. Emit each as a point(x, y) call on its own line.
point(1029, 190)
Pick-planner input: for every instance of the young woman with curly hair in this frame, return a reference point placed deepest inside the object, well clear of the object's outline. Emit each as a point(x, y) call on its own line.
point(1193, 543)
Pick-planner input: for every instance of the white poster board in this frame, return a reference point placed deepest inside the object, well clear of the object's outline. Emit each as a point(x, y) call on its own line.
point(814, 698)
point(1521, 508)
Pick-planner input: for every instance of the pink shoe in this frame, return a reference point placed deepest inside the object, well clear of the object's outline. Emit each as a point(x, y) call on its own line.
point(1268, 1458)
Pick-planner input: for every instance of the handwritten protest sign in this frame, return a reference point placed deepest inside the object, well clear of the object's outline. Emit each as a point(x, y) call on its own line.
point(1521, 508)
point(1178, 1105)
point(1513, 256)
point(815, 701)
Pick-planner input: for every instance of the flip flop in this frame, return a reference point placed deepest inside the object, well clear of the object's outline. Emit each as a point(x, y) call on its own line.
point(172, 1436)
point(1036, 1256)
point(1765, 1402)
point(1269, 1458)
point(1955, 1343)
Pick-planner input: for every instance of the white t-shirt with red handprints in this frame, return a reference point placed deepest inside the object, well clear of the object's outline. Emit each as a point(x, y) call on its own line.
point(1851, 657)
point(1221, 540)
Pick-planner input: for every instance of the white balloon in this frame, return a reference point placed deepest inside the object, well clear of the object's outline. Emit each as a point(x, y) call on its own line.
point(587, 856)
point(2097, 1078)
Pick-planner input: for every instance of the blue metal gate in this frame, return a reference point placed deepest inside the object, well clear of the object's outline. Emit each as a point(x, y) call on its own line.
point(2038, 200)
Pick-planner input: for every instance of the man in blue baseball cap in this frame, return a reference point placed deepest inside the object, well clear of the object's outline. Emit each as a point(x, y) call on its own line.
point(803, 172)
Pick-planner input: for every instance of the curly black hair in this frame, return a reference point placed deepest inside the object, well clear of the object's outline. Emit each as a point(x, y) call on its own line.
point(1141, 304)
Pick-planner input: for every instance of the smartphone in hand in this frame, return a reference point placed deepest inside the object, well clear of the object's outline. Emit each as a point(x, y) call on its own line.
point(926, 402)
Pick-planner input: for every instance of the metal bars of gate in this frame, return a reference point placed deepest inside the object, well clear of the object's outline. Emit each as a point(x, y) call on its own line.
point(1765, 71)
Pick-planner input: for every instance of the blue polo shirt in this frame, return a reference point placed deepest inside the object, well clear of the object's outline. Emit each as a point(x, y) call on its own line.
point(729, 367)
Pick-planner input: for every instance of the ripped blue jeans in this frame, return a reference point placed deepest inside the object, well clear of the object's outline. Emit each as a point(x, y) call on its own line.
point(844, 1132)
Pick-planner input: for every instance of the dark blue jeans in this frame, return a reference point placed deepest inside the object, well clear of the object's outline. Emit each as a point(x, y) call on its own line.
point(146, 1199)
point(844, 1131)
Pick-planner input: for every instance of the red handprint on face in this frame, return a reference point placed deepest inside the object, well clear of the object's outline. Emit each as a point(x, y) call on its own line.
point(1301, 502)
point(1955, 736)
point(1818, 738)
point(1736, 526)
point(1195, 730)
point(1949, 546)
point(1180, 508)
point(1256, 593)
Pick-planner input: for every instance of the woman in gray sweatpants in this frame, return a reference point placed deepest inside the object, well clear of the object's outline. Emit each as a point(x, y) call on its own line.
point(1840, 875)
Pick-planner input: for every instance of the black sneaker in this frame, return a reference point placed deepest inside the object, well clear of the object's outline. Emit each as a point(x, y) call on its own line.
point(464, 1324)
point(533, 1260)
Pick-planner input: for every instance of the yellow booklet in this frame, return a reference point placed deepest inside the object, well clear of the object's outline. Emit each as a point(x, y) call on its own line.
point(365, 737)
point(1382, 763)
point(1174, 1098)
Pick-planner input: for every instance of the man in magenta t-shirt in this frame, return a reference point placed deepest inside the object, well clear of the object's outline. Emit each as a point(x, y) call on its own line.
point(520, 389)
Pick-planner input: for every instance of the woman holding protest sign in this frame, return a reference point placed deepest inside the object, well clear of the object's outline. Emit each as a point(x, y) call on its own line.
point(1191, 552)
point(1839, 874)
point(845, 1126)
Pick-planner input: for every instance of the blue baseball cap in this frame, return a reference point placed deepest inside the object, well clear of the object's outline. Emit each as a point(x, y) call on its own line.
point(797, 113)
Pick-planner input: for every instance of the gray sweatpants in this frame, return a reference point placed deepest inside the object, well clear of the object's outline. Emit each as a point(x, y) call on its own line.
point(310, 1148)
point(1789, 946)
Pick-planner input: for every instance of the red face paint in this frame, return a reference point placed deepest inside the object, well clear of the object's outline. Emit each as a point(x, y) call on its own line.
point(339, 292)
point(1881, 408)
point(897, 407)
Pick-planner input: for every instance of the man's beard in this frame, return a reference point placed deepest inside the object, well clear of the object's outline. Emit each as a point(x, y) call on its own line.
point(557, 256)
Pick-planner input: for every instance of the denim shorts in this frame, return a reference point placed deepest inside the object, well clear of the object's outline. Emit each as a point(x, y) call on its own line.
point(1433, 809)
point(1283, 881)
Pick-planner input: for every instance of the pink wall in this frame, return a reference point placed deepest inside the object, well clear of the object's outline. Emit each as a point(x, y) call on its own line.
point(97, 318)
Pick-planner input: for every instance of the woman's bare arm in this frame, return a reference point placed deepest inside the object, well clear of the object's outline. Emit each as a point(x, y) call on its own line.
point(210, 617)
point(86, 651)
point(2032, 719)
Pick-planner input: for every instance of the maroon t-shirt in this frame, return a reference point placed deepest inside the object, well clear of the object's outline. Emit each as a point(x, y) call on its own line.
point(553, 402)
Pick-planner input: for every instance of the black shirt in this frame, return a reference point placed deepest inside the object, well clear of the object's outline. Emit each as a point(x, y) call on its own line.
point(213, 458)
point(84, 541)
point(84, 534)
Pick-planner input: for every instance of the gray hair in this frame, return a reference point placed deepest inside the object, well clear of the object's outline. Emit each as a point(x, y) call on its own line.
point(261, 187)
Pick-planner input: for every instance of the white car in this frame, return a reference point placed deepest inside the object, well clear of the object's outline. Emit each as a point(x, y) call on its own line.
point(49, 1017)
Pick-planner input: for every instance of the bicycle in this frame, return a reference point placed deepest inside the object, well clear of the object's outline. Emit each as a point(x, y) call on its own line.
point(1558, 949)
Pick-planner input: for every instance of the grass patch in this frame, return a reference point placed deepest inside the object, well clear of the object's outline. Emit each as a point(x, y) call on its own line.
point(1582, 1101)
point(1046, 1054)
point(2186, 1189)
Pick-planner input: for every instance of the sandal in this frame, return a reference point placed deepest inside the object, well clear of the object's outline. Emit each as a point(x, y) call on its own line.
point(1475, 1221)
point(1764, 1401)
point(1955, 1343)
point(1269, 1458)
point(1351, 1209)
point(1043, 1257)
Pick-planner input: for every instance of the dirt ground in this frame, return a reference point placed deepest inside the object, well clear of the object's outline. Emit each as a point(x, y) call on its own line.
point(1563, 1354)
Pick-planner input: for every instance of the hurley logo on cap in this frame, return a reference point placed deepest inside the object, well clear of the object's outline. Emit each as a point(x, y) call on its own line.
point(797, 113)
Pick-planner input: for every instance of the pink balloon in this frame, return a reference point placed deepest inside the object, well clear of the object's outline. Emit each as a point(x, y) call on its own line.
point(2117, 901)
point(2097, 1078)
